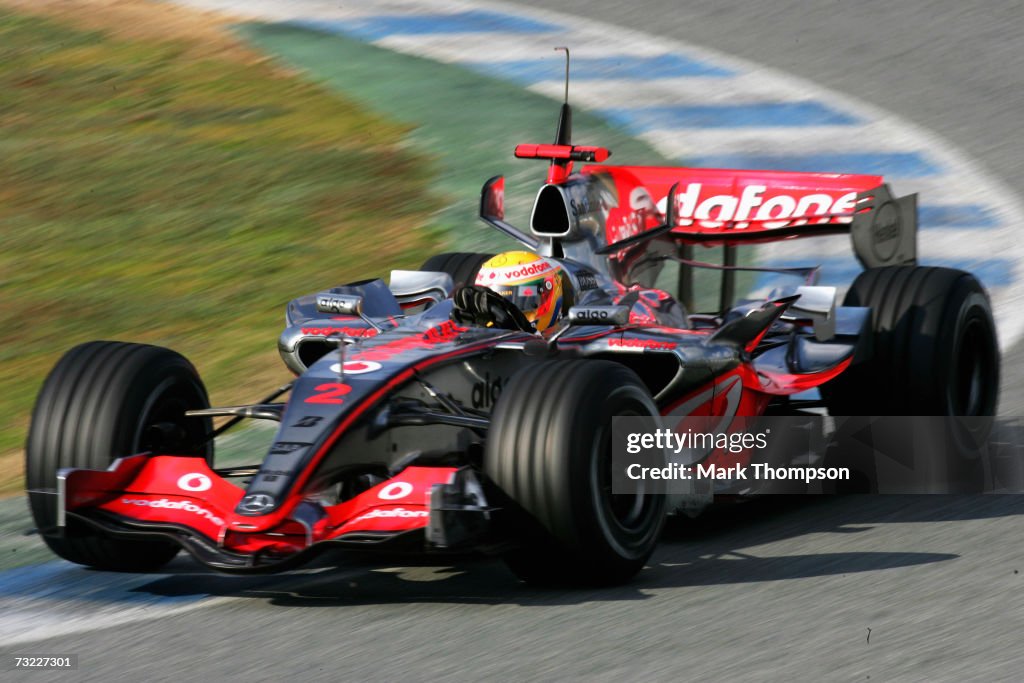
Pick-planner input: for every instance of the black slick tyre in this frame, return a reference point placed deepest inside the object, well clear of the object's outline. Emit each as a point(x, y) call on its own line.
point(934, 353)
point(549, 451)
point(104, 400)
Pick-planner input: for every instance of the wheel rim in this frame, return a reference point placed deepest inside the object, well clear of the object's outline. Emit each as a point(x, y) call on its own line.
point(165, 408)
point(627, 517)
point(970, 390)
point(625, 509)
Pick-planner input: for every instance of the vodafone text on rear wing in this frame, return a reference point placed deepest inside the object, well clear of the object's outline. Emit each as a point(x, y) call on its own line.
point(734, 207)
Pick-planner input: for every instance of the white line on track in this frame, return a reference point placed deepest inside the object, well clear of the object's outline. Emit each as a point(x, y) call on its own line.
point(744, 88)
point(59, 598)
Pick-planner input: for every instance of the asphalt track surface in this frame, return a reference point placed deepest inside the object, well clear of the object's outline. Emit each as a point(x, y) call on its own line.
point(771, 591)
point(882, 588)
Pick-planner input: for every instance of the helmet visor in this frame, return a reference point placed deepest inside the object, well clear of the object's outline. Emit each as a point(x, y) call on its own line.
point(526, 298)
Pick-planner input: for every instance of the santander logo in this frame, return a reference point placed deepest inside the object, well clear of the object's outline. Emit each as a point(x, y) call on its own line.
point(776, 211)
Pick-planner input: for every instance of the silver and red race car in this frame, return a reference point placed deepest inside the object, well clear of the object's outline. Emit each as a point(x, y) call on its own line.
point(428, 414)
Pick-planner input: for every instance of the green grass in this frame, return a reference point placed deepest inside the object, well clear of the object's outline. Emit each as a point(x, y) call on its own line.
point(467, 121)
point(152, 197)
point(149, 196)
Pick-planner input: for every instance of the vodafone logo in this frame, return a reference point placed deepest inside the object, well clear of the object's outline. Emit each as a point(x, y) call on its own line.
point(640, 200)
point(356, 367)
point(346, 331)
point(511, 273)
point(396, 490)
point(641, 343)
point(396, 512)
point(183, 505)
point(751, 205)
point(194, 481)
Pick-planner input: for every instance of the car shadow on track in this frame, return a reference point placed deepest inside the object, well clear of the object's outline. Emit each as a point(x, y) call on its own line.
point(704, 552)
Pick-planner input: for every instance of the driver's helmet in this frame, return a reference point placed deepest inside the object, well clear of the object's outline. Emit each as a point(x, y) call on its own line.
point(535, 285)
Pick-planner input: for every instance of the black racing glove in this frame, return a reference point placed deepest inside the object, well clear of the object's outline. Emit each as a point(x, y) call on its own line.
point(476, 305)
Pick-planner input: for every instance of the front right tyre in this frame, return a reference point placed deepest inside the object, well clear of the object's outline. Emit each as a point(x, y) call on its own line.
point(549, 450)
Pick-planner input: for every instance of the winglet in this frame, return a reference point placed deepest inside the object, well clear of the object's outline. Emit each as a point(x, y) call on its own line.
point(747, 329)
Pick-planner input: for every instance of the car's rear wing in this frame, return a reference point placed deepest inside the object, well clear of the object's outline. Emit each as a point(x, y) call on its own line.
point(628, 205)
point(732, 207)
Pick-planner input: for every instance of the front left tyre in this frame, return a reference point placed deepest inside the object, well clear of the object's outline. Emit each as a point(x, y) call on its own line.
point(104, 400)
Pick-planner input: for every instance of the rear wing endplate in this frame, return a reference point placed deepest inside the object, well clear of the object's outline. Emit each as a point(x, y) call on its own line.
point(884, 229)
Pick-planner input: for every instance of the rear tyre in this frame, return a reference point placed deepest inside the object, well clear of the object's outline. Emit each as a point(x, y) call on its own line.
point(935, 354)
point(549, 450)
point(104, 400)
point(462, 266)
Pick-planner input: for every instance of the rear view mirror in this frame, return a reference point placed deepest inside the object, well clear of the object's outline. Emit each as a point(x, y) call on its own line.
point(492, 212)
point(339, 304)
point(492, 199)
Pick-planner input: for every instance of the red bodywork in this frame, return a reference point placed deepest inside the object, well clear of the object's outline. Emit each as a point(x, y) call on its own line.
point(183, 491)
point(723, 206)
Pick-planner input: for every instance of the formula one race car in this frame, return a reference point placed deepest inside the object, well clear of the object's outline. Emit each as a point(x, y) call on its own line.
point(468, 406)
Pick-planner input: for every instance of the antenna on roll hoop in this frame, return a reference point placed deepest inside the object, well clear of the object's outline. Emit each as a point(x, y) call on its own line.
point(562, 153)
point(560, 168)
point(559, 49)
point(563, 136)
